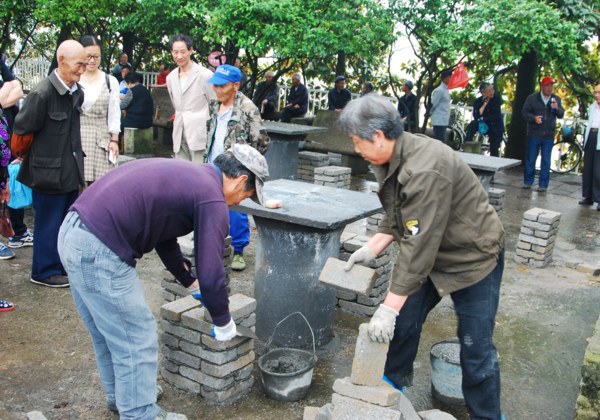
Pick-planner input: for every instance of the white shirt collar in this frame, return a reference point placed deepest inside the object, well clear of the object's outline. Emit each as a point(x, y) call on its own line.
point(69, 89)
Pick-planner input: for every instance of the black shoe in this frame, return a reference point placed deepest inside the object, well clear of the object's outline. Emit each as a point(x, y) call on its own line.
point(586, 202)
point(53, 281)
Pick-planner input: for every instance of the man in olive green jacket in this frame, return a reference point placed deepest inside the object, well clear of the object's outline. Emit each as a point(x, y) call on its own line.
point(451, 242)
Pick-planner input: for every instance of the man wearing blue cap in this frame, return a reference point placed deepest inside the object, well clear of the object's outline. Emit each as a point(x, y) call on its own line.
point(234, 119)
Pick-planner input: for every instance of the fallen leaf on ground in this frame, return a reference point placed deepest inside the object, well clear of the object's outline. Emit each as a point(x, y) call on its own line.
point(61, 405)
point(590, 236)
point(15, 265)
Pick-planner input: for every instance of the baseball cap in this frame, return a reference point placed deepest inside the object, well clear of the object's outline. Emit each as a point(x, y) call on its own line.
point(547, 80)
point(339, 79)
point(225, 74)
point(253, 160)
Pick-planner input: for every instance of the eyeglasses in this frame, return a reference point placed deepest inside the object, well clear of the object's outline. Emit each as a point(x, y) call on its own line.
point(93, 57)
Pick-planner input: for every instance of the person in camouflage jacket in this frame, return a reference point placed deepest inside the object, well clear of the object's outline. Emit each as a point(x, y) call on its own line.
point(233, 119)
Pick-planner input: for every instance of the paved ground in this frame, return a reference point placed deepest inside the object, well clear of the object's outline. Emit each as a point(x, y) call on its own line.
point(545, 316)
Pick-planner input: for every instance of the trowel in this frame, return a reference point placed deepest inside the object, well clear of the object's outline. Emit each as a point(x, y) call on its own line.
point(245, 332)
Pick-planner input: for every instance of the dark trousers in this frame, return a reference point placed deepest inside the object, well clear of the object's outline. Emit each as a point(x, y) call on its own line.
point(476, 308)
point(50, 210)
point(17, 219)
point(439, 132)
point(591, 169)
point(493, 138)
point(289, 112)
point(267, 108)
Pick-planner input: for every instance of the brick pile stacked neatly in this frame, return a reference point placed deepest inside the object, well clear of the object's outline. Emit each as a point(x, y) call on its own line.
point(364, 395)
point(333, 176)
point(373, 221)
point(173, 290)
point(307, 162)
point(383, 264)
point(197, 363)
point(497, 198)
point(537, 238)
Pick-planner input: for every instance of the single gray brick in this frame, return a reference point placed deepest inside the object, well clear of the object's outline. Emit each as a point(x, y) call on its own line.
point(169, 365)
point(173, 311)
point(220, 371)
point(324, 178)
point(242, 374)
point(381, 260)
point(545, 235)
point(381, 290)
point(521, 260)
point(169, 340)
point(353, 245)
point(589, 269)
point(216, 357)
point(537, 225)
point(180, 382)
point(340, 294)
point(359, 280)
point(180, 332)
point(249, 321)
point(168, 296)
point(533, 255)
point(369, 359)
point(239, 307)
point(549, 217)
point(370, 301)
point(194, 319)
point(524, 245)
point(349, 408)
point(228, 240)
point(537, 241)
point(228, 396)
point(204, 379)
point(213, 344)
point(496, 193)
point(382, 279)
point(384, 396)
point(527, 231)
point(329, 184)
point(185, 358)
point(175, 288)
point(357, 308)
point(532, 214)
point(246, 347)
point(319, 182)
point(543, 249)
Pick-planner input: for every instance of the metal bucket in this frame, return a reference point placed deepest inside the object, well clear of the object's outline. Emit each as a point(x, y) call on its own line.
point(446, 374)
point(292, 386)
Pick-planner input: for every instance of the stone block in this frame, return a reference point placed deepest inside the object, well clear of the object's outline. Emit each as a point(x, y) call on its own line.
point(204, 379)
point(540, 263)
point(244, 373)
point(220, 371)
point(246, 347)
point(348, 408)
point(169, 340)
point(545, 235)
point(183, 358)
point(381, 260)
point(216, 357)
point(359, 280)
point(170, 366)
point(495, 201)
point(537, 226)
point(521, 260)
point(239, 307)
point(406, 408)
point(249, 321)
point(572, 264)
point(435, 415)
point(324, 178)
point(213, 344)
point(549, 217)
point(194, 319)
point(589, 269)
point(357, 308)
point(168, 296)
point(313, 156)
point(524, 245)
point(533, 255)
point(527, 231)
point(371, 301)
point(383, 278)
point(35, 415)
point(228, 396)
point(173, 311)
point(353, 245)
point(369, 359)
point(380, 290)
point(537, 241)
point(532, 214)
point(180, 382)
point(346, 236)
point(496, 193)
point(345, 295)
point(379, 395)
point(310, 413)
point(228, 240)
point(181, 332)
point(175, 288)
point(138, 141)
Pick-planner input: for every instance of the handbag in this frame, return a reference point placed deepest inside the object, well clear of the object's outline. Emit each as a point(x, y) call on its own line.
point(483, 127)
point(6, 229)
point(20, 195)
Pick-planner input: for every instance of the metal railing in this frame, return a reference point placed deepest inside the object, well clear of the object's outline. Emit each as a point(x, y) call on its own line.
point(31, 72)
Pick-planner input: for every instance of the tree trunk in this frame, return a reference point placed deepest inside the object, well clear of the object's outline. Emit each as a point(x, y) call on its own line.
point(231, 52)
point(527, 69)
point(128, 44)
point(64, 34)
point(340, 67)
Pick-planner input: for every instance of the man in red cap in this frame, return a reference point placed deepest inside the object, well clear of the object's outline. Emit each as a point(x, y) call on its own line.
point(541, 111)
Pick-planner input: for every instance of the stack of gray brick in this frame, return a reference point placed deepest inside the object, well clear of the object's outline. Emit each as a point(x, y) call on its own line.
point(194, 361)
point(307, 162)
point(364, 395)
point(173, 290)
point(333, 176)
point(497, 198)
point(537, 238)
point(383, 264)
point(373, 222)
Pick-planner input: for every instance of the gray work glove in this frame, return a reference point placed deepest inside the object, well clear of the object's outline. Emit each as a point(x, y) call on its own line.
point(381, 327)
point(362, 255)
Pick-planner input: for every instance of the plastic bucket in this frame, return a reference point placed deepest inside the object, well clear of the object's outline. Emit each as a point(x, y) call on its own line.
point(292, 386)
point(446, 373)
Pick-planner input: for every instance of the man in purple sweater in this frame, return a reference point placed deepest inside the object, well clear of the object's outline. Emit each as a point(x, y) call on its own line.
point(141, 206)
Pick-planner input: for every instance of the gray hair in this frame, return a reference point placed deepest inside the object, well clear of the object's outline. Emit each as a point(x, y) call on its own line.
point(369, 86)
point(271, 73)
point(362, 117)
point(297, 76)
point(483, 87)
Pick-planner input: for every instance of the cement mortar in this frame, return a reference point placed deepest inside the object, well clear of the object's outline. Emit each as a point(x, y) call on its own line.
point(448, 352)
point(289, 363)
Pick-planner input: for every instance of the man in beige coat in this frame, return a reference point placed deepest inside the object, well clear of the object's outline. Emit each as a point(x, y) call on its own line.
point(190, 95)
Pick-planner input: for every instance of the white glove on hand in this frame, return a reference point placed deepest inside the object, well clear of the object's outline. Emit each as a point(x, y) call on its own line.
point(381, 327)
point(363, 255)
point(225, 333)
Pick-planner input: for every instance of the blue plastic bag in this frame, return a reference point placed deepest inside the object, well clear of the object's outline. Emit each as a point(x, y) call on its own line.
point(20, 195)
point(483, 127)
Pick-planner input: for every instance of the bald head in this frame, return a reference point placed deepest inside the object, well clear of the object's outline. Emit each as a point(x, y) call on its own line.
point(71, 59)
point(596, 96)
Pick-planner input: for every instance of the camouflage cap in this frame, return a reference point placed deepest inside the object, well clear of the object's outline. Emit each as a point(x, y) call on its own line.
point(257, 163)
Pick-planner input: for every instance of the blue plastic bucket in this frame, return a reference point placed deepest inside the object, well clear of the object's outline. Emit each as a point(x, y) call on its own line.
point(446, 373)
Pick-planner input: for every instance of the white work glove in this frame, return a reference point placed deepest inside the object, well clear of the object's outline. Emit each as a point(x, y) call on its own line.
point(362, 255)
point(225, 333)
point(196, 294)
point(381, 327)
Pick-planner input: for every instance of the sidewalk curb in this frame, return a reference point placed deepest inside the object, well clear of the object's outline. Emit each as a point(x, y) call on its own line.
point(588, 400)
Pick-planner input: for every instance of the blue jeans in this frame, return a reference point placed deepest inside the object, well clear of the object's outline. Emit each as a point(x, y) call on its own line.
point(476, 308)
point(239, 230)
point(50, 210)
point(110, 300)
point(533, 149)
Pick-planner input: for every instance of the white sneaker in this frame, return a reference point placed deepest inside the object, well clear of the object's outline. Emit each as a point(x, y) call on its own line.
point(163, 415)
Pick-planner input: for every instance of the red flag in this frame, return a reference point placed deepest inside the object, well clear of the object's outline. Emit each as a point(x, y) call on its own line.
point(460, 78)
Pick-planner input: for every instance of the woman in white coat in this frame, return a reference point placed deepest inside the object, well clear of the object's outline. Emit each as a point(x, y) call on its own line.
point(591, 156)
point(101, 118)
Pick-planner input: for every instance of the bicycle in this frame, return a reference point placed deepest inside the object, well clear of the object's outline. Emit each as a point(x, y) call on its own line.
point(567, 151)
point(484, 139)
point(456, 140)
